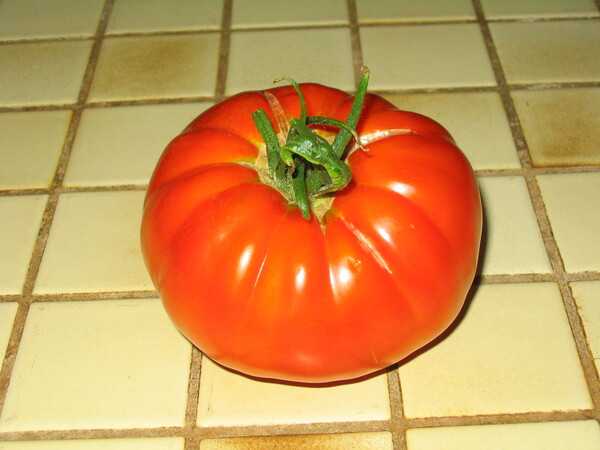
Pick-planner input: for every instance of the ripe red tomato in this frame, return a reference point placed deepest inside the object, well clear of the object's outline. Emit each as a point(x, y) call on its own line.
point(379, 269)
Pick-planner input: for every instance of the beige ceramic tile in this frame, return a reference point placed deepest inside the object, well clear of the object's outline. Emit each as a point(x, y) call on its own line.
point(345, 441)
point(168, 443)
point(512, 241)
point(146, 67)
point(587, 297)
point(546, 52)
point(573, 207)
point(130, 16)
point(581, 435)
point(246, 14)
point(20, 219)
point(258, 57)
point(477, 122)
point(561, 126)
point(229, 399)
point(94, 245)
point(8, 311)
point(512, 9)
point(98, 364)
point(426, 56)
point(43, 72)
point(30, 147)
point(121, 145)
point(510, 351)
point(44, 19)
point(414, 10)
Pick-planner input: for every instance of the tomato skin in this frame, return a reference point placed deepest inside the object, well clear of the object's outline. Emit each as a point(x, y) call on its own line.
point(263, 291)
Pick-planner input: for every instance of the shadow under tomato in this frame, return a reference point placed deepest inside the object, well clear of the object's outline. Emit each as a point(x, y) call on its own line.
point(306, 384)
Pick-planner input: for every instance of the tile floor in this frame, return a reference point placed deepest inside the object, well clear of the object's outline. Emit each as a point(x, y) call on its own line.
point(92, 90)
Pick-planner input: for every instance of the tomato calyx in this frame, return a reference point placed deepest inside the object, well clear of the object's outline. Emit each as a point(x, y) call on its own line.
point(307, 166)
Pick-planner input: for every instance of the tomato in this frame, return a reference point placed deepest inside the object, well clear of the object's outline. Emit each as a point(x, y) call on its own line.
point(370, 273)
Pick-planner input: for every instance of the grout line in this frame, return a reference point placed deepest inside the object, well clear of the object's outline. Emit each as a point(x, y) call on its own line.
point(215, 432)
point(501, 418)
point(11, 350)
point(398, 423)
point(81, 296)
point(225, 44)
point(432, 22)
point(292, 27)
point(191, 414)
point(357, 55)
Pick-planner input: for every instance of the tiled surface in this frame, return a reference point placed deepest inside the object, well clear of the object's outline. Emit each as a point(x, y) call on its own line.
point(29, 160)
point(257, 58)
point(131, 16)
point(231, 399)
point(93, 364)
point(120, 145)
point(490, 144)
point(275, 13)
point(545, 52)
point(166, 443)
point(583, 435)
point(433, 56)
point(573, 208)
point(143, 67)
point(20, 220)
point(90, 93)
point(587, 297)
point(501, 358)
point(561, 126)
point(513, 242)
point(530, 9)
point(93, 245)
point(42, 73)
point(432, 10)
point(42, 19)
point(7, 317)
point(325, 442)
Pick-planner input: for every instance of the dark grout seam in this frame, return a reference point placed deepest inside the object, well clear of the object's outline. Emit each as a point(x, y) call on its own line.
point(355, 42)
point(224, 46)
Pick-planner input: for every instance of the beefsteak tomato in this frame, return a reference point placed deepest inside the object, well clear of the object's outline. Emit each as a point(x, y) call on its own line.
point(273, 267)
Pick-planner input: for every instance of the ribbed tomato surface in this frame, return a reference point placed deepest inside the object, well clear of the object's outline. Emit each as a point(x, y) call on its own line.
point(381, 270)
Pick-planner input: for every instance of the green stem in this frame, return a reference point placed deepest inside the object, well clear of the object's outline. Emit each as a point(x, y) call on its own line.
point(298, 182)
point(300, 95)
point(262, 122)
point(342, 139)
point(307, 166)
point(318, 120)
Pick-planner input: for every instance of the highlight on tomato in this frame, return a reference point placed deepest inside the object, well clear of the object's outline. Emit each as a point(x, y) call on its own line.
point(304, 234)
